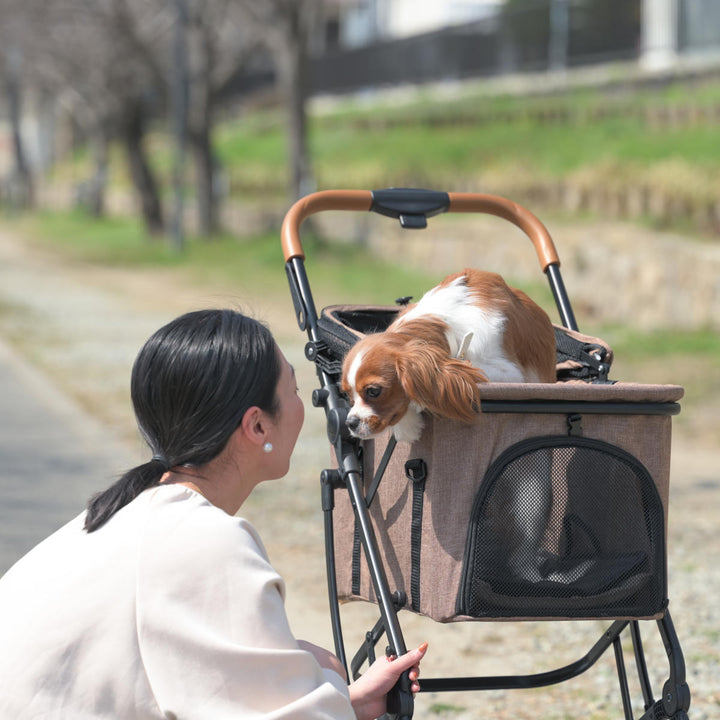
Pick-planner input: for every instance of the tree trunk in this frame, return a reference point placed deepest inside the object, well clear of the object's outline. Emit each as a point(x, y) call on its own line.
point(202, 60)
point(90, 194)
point(285, 26)
point(293, 69)
point(133, 130)
point(22, 191)
point(99, 179)
point(206, 182)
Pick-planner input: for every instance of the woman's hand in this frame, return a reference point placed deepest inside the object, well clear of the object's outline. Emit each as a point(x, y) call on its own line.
point(368, 694)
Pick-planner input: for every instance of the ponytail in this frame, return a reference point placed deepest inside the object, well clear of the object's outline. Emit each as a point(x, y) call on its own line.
point(102, 506)
point(191, 384)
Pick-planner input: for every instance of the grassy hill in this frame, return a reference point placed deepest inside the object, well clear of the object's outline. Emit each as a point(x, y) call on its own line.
point(652, 155)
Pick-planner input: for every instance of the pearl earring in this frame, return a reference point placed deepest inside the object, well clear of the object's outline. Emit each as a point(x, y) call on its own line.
point(267, 447)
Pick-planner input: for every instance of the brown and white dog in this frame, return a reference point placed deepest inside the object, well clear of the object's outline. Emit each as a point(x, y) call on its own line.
point(471, 328)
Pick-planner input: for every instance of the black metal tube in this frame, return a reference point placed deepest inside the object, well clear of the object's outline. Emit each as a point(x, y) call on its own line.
point(622, 679)
point(297, 267)
point(676, 693)
point(515, 682)
point(400, 699)
point(641, 665)
point(377, 571)
point(561, 297)
point(332, 586)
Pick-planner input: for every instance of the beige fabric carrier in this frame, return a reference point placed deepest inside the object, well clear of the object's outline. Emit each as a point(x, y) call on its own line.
point(552, 505)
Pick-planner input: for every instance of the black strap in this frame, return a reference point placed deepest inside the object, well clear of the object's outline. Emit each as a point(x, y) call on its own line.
point(416, 470)
point(590, 356)
point(392, 442)
point(389, 449)
point(356, 560)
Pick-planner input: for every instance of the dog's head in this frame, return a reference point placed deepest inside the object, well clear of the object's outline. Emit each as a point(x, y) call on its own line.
point(410, 363)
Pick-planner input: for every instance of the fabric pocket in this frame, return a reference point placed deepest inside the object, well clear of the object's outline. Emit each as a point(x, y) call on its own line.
point(565, 526)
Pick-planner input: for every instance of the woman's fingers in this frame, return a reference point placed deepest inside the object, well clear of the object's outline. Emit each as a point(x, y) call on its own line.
point(411, 660)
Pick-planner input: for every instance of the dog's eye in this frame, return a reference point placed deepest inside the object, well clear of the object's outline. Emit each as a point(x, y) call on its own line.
point(373, 392)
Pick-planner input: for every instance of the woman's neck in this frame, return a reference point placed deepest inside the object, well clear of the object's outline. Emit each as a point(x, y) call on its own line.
point(219, 490)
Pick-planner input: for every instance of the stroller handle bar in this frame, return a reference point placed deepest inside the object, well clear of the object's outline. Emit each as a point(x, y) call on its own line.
point(412, 207)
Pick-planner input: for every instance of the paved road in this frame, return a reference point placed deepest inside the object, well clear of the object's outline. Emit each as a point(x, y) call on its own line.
point(52, 458)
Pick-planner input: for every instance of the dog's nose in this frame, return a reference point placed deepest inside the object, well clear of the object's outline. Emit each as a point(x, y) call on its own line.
point(352, 422)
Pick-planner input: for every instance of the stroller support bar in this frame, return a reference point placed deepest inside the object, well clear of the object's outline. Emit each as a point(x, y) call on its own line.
point(415, 204)
point(514, 213)
point(315, 203)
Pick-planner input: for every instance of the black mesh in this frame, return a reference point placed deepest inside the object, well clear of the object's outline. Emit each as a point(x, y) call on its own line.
point(339, 328)
point(565, 527)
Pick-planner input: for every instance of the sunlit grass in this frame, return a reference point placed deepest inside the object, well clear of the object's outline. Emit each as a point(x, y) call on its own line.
point(339, 272)
point(465, 142)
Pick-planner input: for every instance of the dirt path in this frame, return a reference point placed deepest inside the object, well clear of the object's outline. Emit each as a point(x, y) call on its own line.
point(82, 327)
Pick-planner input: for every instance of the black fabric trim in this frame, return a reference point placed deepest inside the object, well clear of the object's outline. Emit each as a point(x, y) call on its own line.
point(356, 561)
point(416, 470)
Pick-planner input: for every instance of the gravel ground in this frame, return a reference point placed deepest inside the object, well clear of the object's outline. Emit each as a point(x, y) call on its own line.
point(82, 327)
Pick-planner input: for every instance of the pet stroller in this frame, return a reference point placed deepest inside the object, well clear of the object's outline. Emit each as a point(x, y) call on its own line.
point(552, 506)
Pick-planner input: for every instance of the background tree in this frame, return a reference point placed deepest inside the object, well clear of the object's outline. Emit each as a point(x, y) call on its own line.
point(14, 51)
point(218, 45)
point(285, 27)
point(91, 57)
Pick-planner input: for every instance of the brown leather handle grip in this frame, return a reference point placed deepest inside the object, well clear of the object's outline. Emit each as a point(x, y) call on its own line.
point(459, 202)
point(514, 213)
point(315, 203)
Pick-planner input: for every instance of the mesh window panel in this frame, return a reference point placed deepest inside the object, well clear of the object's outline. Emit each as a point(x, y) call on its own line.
point(565, 527)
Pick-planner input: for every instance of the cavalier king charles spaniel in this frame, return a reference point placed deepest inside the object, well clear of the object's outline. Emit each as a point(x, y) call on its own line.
point(471, 328)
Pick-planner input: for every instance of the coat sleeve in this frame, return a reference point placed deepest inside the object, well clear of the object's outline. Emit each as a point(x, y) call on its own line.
point(212, 630)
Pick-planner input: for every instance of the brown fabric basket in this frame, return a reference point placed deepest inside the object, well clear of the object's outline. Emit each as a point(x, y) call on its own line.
point(552, 505)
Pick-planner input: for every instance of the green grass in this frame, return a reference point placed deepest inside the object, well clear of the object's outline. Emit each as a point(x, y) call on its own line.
point(553, 149)
point(479, 142)
point(346, 273)
point(631, 346)
point(107, 241)
point(441, 707)
point(360, 146)
point(338, 272)
point(369, 146)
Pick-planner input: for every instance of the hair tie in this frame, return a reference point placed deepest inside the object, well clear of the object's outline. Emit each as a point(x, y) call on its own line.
point(161, 460)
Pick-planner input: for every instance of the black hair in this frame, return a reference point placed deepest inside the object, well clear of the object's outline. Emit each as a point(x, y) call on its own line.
point(192, 383)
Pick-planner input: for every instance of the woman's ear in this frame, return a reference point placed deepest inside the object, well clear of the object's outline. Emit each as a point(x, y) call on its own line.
point(254, 426)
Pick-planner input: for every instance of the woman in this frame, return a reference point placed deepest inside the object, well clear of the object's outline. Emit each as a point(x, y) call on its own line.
point(158, 602)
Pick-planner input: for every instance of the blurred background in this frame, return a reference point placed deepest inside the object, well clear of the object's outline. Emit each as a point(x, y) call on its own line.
point(604, 105)
point(149, 150)
point(193, 119)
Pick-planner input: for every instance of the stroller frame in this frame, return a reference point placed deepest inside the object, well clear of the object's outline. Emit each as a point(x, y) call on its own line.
point(412, 207)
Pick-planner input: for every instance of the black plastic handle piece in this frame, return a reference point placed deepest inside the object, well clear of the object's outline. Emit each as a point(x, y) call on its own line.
point(409, 205)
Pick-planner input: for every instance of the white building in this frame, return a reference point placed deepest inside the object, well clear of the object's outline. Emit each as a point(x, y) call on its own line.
point(364, 21)
point(670, 28)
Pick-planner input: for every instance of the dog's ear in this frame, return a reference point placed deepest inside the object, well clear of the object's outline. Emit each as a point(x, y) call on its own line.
point(444, 386)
